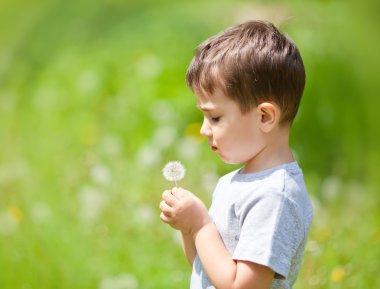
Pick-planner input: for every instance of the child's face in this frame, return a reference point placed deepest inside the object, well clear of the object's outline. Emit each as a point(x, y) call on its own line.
point(235, 136)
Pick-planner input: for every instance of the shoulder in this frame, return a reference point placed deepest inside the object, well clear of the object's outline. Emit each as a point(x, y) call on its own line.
point(227, 178)
point(271, 184)
point(280, 189)
point(285, 183)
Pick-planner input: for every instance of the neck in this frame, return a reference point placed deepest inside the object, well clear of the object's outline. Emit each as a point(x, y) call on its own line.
point(275, 151)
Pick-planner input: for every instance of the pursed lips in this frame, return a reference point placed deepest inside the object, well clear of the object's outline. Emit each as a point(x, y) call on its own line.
point(214, 148)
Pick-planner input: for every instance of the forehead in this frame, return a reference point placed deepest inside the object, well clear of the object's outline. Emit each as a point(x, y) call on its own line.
point(216, 100)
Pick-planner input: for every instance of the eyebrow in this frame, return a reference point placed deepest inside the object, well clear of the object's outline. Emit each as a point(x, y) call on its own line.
point(205, 108)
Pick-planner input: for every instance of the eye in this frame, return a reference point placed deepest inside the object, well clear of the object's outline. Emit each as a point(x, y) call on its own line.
point(215, 119)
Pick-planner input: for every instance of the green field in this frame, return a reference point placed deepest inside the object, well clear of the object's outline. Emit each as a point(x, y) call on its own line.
point(93, 103)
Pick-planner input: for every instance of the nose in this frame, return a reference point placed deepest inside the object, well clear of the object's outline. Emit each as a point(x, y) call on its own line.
point(206, 129)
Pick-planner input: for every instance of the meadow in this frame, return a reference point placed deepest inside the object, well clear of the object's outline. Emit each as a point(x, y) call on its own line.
point(93, 103)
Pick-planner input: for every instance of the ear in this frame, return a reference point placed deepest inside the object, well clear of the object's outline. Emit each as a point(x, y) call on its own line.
point(269, 115)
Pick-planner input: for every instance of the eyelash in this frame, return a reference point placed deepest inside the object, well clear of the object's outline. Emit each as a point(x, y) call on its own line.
point(215, 119)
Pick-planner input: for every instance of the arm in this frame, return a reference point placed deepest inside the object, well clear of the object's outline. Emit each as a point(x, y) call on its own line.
point(222, 270)
point(185, 212)
point(188, 247)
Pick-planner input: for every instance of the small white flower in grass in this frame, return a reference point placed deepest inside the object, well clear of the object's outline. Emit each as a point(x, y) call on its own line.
point(41, 213)
point(122, 281)
point(174, 171)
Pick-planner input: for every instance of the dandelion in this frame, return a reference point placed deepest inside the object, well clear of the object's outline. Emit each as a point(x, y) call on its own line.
point(150, 66)
point(145, 214)
point(148, 156)
point(40, 213)
point(100, 174)
point(164, 137)
point(92, 203)
point(188, 148)
point(174, 171)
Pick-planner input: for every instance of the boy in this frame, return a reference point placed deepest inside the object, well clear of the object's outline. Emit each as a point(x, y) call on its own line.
point(248, 82)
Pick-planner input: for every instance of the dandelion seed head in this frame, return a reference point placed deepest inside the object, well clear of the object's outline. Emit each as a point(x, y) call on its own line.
point(92, 203)
point(145, 214)
point(100, 174)
point(40, 213)
point(174, 171)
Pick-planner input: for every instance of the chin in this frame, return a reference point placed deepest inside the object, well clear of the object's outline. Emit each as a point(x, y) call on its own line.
point(230, 161)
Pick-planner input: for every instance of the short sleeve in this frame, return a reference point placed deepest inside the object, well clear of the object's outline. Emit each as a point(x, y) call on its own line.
point(271, 231)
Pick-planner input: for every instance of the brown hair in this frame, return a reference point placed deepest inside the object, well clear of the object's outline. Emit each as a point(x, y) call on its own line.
point(252, 63)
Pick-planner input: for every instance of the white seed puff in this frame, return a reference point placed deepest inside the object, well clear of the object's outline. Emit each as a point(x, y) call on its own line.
point(174, 171)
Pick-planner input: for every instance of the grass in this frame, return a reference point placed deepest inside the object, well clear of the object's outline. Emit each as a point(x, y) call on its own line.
point(93, 104)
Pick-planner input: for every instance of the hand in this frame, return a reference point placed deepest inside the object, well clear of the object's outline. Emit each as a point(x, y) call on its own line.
point(183, 211)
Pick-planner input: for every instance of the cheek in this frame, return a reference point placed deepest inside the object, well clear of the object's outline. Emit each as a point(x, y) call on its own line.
point(227, 140)
point(241, 143)
point(238, 133)
point(222, 136)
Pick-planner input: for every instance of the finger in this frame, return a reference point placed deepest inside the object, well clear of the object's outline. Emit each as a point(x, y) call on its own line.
point(165, 218)
point(178, 192)
point(169, 198)
point(166, 209)
point(166, 191)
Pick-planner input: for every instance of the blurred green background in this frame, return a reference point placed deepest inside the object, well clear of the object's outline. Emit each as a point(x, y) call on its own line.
point(93, 103)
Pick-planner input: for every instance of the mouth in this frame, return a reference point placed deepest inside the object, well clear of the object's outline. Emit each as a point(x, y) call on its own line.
point(214, 148)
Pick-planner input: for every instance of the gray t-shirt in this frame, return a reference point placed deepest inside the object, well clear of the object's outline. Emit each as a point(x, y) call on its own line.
point(263, 218)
